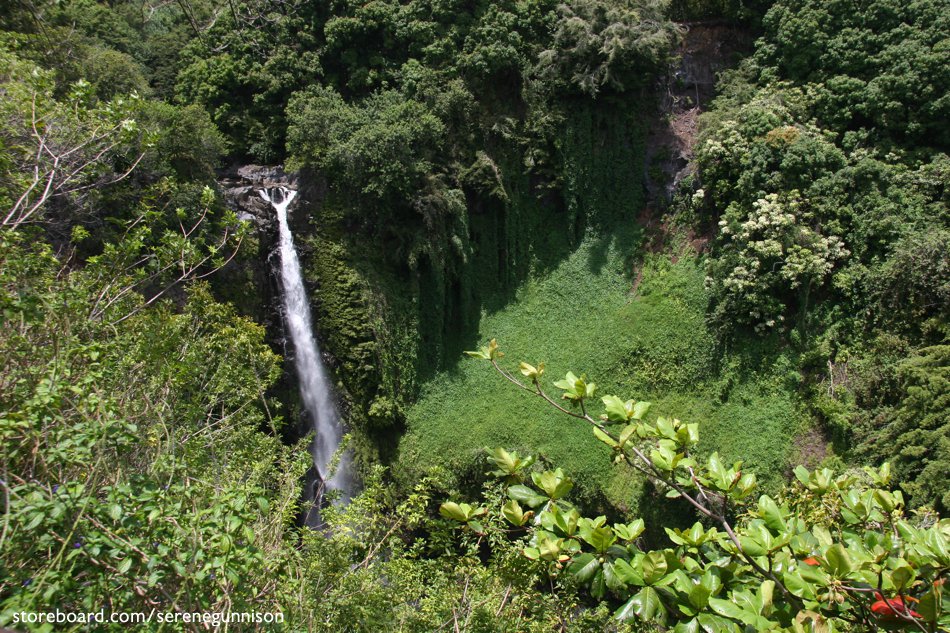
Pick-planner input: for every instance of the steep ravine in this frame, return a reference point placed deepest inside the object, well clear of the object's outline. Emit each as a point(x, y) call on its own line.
point(628, 307)
point(621, 298)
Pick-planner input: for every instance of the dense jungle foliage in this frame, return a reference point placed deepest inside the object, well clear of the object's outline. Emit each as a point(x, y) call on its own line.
point(480, 168)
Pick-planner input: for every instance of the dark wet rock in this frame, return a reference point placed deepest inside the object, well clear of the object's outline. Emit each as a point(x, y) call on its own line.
point(686, 92)
point(241, 185)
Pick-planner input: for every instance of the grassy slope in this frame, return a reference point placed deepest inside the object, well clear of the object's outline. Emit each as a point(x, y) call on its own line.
point(648, 344)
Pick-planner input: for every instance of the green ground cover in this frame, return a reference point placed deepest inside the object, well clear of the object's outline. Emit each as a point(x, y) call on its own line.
point(647, 342)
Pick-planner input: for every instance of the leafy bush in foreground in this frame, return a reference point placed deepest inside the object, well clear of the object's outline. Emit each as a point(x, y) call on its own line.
point(836, 552)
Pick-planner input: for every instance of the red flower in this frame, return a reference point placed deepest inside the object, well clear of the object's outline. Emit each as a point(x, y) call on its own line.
point(811, 560)
point(892, 608)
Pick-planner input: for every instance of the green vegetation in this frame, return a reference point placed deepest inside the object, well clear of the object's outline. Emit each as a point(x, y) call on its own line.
point(823, 163)
point(650, 340)
point(472, 169)
point(834, 552)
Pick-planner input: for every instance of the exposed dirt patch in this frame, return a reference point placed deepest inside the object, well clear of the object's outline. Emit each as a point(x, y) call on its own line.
point(686, 90)
point(810, 448)
point(698, 243)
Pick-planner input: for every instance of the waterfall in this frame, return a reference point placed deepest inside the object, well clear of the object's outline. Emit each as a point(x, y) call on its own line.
point(315, 388)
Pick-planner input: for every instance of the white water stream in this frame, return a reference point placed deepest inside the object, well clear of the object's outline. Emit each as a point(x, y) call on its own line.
point(316, 390)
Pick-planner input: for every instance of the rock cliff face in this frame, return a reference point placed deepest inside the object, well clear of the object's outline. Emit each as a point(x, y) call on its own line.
point(240, 187)
point(685, 93)
point(250, 283)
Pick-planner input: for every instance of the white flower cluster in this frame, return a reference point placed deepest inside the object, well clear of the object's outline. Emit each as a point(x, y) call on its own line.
point(773, 250)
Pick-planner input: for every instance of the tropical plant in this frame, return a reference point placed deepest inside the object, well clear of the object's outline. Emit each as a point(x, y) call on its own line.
point(606, 44)
point(767, 255)
point(836, 552)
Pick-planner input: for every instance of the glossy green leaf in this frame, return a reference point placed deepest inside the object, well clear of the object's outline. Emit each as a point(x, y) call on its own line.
point(603, 437)
point(838, 561)
point(645, 605)
point(615, 409)
point(454, 511)
point(654, 567)
point(726, 608)
point(584, 567)
point(526, 495)
point(515, 514)
point(771, 513)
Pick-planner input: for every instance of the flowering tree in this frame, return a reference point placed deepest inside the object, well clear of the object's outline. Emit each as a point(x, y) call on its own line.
point(767, 254)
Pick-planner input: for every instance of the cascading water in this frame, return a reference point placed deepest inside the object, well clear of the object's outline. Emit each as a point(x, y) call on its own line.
point(315, 388)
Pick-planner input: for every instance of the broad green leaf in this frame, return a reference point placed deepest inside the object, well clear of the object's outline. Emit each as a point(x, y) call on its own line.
point(886, 500)
point(699, 596)
point(630, 572)
point(766, 592)
point(584, 567)
point(614, 581)
point(454, 511)
point(515, 514)
point(567, 383)
point(814, 575)
point(553, 483)
point(600, 538)
point(838, 561)
point(726, 608)
point(615, 409)
point(902, 577)
point(692, 432)
point(640, 409)
point(532, 372)
point(646, 605)
point(598, 585)
point(665, 428)
point(696, 533)
point(717, 471)
point(802, 474)
point(603, 437)
point(628, 431)
point(711, 623)
point(526, 495)
point(797, 585)
point(509, 465)
point(674, 535)
point(654, 567)
point(630, 531)
point(752, 546)
point(771, 513)
point(689, 626)
point(562, 521)
point(930, 605)
point(549, 547)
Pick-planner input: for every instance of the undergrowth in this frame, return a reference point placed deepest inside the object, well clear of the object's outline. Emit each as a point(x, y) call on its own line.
point(648, 341)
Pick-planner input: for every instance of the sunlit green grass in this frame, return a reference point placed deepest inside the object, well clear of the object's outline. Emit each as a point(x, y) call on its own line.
point(651, 343)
